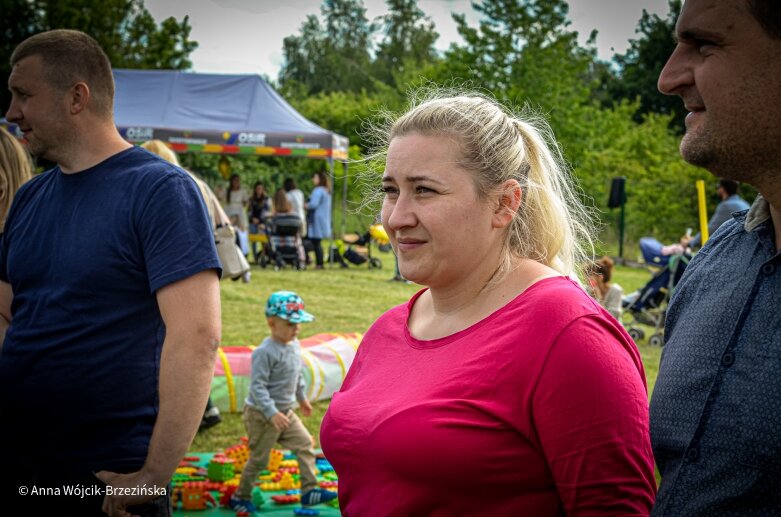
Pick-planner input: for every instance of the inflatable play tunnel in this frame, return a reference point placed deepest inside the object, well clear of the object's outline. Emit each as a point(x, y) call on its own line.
point(325, 359)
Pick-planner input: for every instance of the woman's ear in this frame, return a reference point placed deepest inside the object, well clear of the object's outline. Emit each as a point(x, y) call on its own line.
point(510, 196)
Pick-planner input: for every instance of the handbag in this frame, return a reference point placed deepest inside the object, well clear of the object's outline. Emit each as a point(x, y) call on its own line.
point(234, 263)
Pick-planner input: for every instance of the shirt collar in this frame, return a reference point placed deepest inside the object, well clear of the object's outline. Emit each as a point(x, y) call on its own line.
point(757, 214)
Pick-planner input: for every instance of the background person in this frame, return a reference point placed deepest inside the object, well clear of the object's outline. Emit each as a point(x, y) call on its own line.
point(503, 365)
point(15, 169)
point(609, 294)
point(115, 313)
point(237, 201)
point(259, 212)
point(297, 202)
point(716, 406)
point(727, 191)
point(319, 207)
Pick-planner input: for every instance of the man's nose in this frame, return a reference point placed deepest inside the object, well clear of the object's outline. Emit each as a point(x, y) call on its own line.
point(675, 74)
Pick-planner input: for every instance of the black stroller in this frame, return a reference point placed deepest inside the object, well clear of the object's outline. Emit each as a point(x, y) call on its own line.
point(285, 245)
point(359, 251)
point(648, 306)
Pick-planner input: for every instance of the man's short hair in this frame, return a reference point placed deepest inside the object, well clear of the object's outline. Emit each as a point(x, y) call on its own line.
point(768, 14)
point(70, 57)
point(729, 186)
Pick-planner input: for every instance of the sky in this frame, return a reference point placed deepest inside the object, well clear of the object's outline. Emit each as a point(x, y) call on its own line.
point(245, 36)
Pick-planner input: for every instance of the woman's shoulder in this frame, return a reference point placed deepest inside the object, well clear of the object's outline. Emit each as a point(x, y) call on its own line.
point(557, 300)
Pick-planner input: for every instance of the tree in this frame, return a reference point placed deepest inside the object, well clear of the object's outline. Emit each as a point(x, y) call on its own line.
point(332, 56)
point(123, 28)
point(639, 68)
point(407, 45)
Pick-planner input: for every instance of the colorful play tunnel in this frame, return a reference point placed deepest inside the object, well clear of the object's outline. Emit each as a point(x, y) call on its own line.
point(325, 359)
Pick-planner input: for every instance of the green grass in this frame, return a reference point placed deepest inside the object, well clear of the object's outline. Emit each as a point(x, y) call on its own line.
point(342, 300)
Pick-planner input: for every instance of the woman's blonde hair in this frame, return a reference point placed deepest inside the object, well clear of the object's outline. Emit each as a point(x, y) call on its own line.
point(551, 226)
point(162, 150)
point(15, 169)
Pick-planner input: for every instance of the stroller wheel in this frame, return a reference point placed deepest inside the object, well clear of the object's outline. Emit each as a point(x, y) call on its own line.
point(656, 340)
point(636, 334)
point(375, 263)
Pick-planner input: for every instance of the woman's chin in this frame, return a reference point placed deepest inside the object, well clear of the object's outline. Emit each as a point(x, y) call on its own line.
point(413, 275)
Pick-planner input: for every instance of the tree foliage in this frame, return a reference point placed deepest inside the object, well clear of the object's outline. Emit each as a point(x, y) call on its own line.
point(124, 29)
point(332, 56)
point(638, 69)
point(407, 45)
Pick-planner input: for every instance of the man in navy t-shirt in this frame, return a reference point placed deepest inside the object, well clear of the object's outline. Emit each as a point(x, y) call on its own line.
point(109, 297)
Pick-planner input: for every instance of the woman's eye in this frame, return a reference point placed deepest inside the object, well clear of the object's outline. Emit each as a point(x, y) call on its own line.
point(389, 190)
point(423, 190)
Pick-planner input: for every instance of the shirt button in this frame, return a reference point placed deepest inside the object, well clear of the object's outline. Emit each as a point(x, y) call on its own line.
point(693, 454)
point(728, 359)
point(769, 269)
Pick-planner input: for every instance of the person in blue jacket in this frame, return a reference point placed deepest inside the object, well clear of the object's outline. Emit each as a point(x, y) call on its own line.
point(319, 207)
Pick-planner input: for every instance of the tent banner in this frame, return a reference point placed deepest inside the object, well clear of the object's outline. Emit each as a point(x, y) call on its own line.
point(242, 143)
point(245, 142)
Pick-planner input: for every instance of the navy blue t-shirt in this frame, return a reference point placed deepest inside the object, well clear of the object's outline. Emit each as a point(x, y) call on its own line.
point(85, 255)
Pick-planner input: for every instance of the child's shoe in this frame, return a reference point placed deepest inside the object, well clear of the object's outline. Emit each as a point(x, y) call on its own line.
point(317, 496)
point(242, 505)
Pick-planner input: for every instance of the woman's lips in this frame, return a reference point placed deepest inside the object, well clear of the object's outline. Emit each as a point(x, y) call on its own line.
point(409, 244)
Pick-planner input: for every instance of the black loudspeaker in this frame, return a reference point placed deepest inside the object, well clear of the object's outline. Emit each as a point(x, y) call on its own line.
point(617, 193)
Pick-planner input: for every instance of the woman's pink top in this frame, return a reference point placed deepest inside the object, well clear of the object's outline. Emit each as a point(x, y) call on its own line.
point(539, 409)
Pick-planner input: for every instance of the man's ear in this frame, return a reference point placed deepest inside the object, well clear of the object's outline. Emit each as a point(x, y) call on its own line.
point(510, 196)
point(79, 97)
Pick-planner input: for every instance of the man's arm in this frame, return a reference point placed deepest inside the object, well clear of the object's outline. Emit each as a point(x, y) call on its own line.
point(6, 297)
point(190, 309)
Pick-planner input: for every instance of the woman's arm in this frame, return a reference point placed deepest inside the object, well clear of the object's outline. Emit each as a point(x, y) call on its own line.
point(316, 199)
point(590, 410)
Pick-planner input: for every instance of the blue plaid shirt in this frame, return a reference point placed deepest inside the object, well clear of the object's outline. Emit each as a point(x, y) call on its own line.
point(716, 407)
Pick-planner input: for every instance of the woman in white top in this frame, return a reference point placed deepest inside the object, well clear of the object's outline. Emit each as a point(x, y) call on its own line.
point(296, 199)
point(237, 199)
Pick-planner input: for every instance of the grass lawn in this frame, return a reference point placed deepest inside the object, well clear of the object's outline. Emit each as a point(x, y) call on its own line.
point(342, 300)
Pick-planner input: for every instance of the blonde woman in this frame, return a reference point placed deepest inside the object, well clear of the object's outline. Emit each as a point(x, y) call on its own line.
point(502, 377)
point(15, 169)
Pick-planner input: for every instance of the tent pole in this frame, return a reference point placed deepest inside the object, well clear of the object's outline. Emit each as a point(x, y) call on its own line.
point(331, 247)
point(344, 198)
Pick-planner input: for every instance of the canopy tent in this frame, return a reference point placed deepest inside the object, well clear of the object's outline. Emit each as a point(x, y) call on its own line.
point(216, 113)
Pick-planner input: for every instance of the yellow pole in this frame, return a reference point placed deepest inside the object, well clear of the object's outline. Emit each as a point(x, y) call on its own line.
point(703, 212)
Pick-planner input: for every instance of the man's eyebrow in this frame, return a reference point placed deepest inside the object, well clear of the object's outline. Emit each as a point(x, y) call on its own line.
point(697, 34)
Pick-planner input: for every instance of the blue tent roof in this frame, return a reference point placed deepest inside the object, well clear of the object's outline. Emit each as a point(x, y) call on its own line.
point(184, 100)
point(216, 113)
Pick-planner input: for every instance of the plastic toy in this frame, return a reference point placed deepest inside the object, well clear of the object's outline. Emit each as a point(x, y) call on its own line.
point(239, 454)
point(221, 468)
point(195, 496)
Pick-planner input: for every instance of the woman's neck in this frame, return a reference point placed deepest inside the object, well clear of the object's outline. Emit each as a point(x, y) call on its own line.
point(442, 311)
